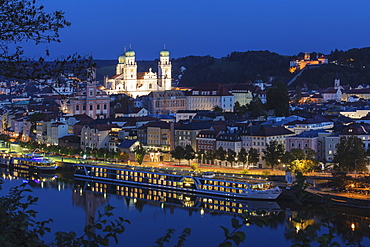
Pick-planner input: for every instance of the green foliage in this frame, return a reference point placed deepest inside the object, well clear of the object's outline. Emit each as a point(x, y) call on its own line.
point(256, 107)
point(277, 99)
point(220, 154)
point(236, 67)
point(244, 171)
point(273, 153)
point(230, 156)
point(109, 230)
point(217, 109)
point(243, 156)
point(350, 154)
point(210, 155)
point(302, 161)
point(168, 235)
point(189, 153)
point(178, 153)
point(193, 166)
point(253, 156)
point(265, 173)
point(18, 225)
point(235, 235)
point(302, 166)
point(140, 152)
point(24, 21)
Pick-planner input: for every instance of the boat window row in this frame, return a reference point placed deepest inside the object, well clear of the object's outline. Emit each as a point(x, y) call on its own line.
point(223, 203)
point(151, 194)
point(101, 188)
point(226, 184)
point(262, 186)
point(224, 209)
point(221, 189)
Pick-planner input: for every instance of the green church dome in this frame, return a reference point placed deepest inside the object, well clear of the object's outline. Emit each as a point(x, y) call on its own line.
point(122, 58)
point(164, 53)
point(130, 53)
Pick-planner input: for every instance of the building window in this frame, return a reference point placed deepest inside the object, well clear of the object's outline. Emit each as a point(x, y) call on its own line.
point(91, 107)
point(98, 107)
point(105, 107)
point(77, 107)
point(84, 108)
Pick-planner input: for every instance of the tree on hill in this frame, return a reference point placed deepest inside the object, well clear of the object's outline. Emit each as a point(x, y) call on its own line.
point(277, 99)
point(256, 107)
point(350, 155)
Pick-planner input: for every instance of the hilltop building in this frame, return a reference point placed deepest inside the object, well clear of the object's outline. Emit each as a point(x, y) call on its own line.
point(133, 83)
point(301, 63)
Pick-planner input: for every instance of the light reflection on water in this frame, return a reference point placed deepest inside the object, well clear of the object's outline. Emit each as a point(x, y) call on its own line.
point(151, 212)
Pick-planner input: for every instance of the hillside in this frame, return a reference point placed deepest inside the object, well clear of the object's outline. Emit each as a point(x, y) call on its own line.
point(352, 67)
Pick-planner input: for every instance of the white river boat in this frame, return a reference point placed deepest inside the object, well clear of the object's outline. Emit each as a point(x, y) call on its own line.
point(218, 185)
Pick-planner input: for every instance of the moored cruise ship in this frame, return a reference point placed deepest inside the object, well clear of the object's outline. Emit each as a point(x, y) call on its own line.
point(219, 185)
point(33, 162)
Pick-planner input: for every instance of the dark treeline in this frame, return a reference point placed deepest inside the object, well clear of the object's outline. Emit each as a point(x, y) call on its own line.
point(352, 67)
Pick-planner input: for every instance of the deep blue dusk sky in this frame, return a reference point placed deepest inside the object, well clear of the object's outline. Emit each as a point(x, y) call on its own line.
point(209, 27)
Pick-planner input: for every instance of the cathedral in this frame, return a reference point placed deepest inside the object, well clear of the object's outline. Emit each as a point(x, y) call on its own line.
point(133, 83)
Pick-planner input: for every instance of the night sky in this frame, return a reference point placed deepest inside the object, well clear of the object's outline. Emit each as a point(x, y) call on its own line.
point(208, 27)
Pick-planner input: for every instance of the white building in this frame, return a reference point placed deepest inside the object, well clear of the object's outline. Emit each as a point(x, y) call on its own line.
point(316, 123)
point(208, 96)
point(95, 137)
point(133, 83)
point(58, 130)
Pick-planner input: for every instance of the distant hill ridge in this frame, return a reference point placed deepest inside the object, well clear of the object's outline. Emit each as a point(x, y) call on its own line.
point(352, 67)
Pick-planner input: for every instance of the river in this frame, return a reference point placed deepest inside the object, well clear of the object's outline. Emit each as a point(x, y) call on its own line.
point(71, 204)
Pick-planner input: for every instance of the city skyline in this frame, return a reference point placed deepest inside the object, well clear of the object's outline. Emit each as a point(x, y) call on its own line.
point(201, 28)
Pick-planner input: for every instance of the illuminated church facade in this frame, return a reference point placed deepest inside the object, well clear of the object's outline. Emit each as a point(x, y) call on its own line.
point(133, 83)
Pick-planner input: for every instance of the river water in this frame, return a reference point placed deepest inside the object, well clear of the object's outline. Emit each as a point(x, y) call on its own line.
point(71, 204)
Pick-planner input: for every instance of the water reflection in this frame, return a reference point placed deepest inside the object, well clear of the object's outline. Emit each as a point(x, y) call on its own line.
point(140, 196)
point(352, 225)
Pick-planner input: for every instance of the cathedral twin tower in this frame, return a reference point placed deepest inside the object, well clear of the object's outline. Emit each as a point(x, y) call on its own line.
point(133, 83)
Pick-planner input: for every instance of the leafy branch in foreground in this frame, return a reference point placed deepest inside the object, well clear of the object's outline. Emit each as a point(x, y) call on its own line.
point(23, 21)
point(238, 236)
point(18, 225)
point(169, 233)
point(110, 229)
